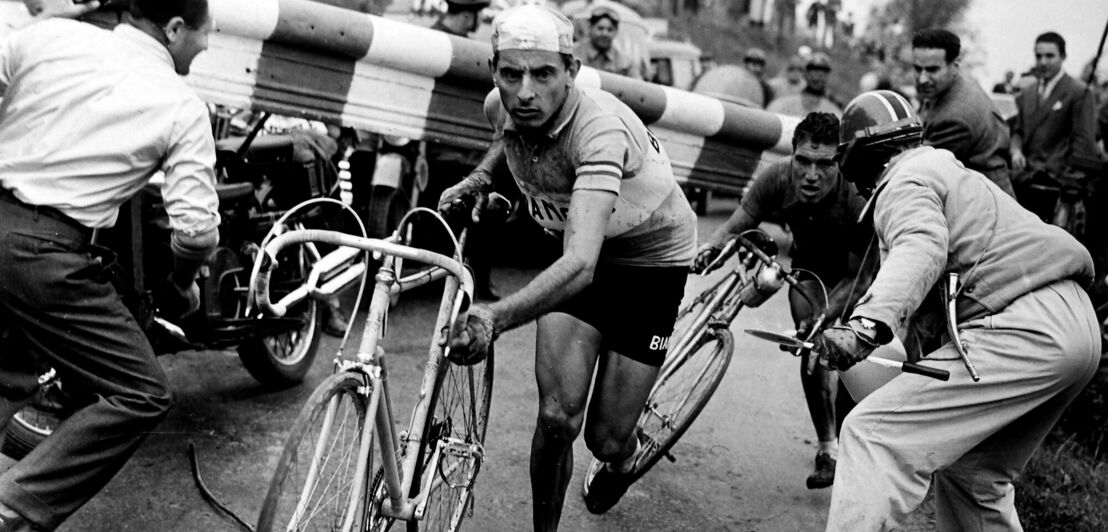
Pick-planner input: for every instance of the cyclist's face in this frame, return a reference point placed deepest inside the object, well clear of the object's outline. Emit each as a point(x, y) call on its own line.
point(533, 85)
point(814, 171)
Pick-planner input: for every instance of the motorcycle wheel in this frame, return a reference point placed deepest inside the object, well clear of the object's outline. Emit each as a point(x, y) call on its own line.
point(282, 360)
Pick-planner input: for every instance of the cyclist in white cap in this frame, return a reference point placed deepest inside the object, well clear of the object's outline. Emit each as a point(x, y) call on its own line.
point(591, 172)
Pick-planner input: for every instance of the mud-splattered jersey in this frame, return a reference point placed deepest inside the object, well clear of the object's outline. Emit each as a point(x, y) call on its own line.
point(597, 143)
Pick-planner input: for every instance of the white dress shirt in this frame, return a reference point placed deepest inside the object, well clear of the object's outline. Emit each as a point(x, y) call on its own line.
point(89, 115)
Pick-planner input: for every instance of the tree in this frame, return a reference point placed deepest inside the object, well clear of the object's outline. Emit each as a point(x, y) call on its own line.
point(922, 14)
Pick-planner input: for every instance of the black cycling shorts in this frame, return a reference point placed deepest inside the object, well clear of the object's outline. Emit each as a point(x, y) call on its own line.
point(633, 307)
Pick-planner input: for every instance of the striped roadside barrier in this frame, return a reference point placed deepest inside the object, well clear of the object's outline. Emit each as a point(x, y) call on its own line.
point(320, 62)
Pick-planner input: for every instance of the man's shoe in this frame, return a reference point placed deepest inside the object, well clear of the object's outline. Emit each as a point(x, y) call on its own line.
point(603, 487)
point(824, 475)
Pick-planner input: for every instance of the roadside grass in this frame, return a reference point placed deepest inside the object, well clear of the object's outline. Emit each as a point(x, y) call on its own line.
point(1065, 486)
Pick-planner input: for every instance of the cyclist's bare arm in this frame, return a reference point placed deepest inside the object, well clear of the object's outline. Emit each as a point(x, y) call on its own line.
point(739, 221)
point(589, 211)
point(494, 158)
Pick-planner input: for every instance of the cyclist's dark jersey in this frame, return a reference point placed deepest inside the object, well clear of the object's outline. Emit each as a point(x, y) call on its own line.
point(823, 233)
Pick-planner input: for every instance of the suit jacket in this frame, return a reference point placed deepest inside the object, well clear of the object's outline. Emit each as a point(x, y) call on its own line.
point(1056, 129)
point(965, 121)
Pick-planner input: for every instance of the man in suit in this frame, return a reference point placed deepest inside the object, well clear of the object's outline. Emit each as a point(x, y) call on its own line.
point(957, 114)
point(1055, 124)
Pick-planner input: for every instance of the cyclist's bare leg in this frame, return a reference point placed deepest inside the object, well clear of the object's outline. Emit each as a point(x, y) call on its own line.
point(565, 355)
point(821, 386)
point(621, 389)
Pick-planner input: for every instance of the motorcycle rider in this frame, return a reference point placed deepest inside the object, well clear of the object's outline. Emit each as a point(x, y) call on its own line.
point(88, 116)
point(1029, 326)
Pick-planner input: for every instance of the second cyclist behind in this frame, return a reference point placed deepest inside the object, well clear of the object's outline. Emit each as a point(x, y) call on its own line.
point(807, 193)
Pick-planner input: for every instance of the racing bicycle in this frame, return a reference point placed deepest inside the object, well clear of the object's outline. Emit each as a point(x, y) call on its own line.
point(703, 344)
point(329, 475)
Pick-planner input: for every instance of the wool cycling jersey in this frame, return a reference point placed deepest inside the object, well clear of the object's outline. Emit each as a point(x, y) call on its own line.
point(597, 143)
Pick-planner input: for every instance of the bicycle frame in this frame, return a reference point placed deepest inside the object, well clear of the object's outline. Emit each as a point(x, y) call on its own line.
point(370, 364)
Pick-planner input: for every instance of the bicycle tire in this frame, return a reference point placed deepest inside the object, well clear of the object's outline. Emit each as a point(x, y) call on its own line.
point(679, 396)
point(336, 453)
point(462, 393)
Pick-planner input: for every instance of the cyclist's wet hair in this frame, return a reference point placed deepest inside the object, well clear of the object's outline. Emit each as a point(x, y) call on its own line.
point(1054, 38)
point(938, 38)
point(193, 12)
point(820, 128)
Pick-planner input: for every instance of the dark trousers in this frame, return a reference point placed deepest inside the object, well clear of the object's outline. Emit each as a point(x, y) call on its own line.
point(62, 311)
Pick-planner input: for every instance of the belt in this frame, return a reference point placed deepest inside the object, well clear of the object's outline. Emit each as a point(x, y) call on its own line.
point(85, 232)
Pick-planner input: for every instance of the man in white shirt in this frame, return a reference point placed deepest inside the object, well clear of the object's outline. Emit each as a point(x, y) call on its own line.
point(87, 117)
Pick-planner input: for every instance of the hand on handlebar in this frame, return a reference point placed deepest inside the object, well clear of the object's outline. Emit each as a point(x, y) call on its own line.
point(841, 347)
point(705, 254)
point(471, 193)
point(470, 339)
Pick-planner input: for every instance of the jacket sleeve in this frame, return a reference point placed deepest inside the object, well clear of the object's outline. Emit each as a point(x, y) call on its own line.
point(954, 135)
point(910, 222)
point(1083, 140)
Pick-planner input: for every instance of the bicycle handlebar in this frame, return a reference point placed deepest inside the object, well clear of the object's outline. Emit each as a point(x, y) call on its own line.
point(788, 276)
point(260, 284)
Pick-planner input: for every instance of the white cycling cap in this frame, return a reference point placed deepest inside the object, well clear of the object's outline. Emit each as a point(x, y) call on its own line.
point(532, 27)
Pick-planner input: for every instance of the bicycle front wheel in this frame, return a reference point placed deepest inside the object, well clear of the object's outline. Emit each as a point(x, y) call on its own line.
point(320, 472)
point(452, 448)
point(681, 393)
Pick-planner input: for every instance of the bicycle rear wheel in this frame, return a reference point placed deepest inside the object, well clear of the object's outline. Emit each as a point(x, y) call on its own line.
point(681, 393)
point(319, 470)
point(452, 444)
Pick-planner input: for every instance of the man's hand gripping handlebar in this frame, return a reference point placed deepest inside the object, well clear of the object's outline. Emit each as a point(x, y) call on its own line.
point(472, 334)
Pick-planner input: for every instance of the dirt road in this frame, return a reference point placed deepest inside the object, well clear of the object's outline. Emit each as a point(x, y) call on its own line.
point(741, 466)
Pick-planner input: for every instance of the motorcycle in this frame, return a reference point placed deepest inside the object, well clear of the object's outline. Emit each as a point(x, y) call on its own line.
point(260, 179)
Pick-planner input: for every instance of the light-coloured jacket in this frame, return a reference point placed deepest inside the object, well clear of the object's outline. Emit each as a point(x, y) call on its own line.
point(932, 215)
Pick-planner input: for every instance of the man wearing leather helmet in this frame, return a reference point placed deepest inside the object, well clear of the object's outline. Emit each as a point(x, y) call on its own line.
point(1027, 324)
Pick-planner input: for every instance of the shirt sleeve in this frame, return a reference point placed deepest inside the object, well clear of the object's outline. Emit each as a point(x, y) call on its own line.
point(604, 151)
point(189, 189)
point(764, 193)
